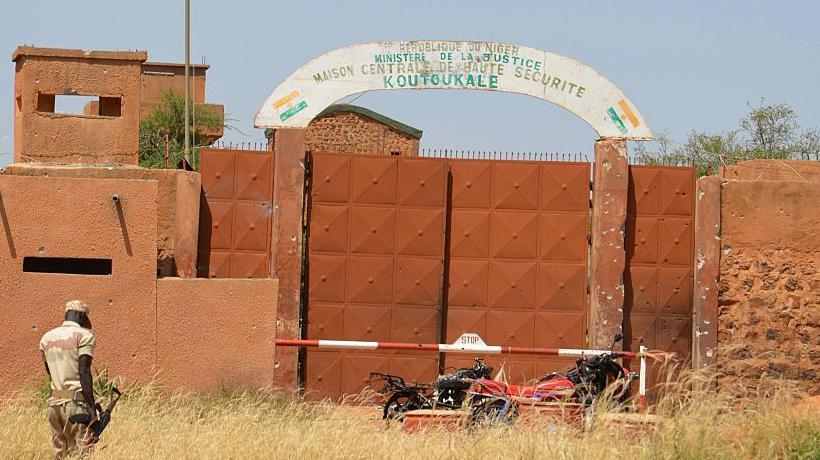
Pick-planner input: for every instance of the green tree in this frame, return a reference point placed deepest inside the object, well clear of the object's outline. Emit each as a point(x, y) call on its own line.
point(767, 131)
point(165, 125)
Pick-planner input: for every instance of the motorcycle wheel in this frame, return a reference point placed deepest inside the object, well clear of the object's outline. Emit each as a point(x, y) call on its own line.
point(398, 404)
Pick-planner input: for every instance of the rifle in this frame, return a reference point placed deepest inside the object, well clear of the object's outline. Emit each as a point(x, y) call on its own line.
point(102, 421)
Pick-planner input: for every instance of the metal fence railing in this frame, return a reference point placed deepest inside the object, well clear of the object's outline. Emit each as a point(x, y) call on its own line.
point(256, 145)
point(503, 155)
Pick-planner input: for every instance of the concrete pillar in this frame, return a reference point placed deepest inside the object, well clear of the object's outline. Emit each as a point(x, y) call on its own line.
point(608, 257)
point(707, 271)
point(286, 246)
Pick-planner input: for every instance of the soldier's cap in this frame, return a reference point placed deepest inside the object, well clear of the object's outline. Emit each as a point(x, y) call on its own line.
point(76, 305)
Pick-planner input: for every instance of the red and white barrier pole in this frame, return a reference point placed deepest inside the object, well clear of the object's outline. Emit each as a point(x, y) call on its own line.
point(445, 348)
point(472, 343)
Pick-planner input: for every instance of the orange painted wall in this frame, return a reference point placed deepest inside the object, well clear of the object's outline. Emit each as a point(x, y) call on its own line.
point(192, 334)
point(72, 138)
point(64, 217)
point(214, 333)
point(178, 196)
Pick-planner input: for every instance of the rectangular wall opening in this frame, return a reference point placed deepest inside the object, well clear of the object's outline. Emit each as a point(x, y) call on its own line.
point(72, 104)
point(67, 265)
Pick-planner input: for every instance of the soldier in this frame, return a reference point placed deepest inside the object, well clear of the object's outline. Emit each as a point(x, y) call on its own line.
point(67, 352)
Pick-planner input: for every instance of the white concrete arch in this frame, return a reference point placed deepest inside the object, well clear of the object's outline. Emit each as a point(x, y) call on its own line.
point(431, 64)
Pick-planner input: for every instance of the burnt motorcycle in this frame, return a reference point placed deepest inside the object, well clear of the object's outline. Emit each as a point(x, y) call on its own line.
point(451, 389)
point(447, 392)
point(401, 396)
point(492, 400)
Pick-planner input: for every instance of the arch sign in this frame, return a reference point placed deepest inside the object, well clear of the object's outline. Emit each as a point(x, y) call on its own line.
point(483, 66)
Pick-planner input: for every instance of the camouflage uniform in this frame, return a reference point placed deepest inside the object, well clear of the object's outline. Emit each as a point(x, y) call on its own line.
point(62, 348)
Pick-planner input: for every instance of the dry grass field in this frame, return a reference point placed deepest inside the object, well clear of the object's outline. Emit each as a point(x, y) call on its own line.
point(698, 423)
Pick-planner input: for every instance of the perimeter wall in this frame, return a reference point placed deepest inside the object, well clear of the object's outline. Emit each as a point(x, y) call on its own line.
point(768, 312)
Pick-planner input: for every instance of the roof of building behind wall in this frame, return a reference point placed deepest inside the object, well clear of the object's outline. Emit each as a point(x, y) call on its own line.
point(76, 53)
point(395, 124)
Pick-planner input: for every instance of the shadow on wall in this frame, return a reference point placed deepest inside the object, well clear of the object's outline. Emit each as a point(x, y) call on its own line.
point(6, 229)
point(203, 259)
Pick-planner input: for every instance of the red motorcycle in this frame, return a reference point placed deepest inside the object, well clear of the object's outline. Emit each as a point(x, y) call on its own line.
point(582, 384)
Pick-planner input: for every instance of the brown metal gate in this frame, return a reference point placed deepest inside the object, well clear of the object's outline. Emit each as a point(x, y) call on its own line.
point(512, 234)
point(235, 214)
point(375, 242)
point(518, 258)
point(659, 259)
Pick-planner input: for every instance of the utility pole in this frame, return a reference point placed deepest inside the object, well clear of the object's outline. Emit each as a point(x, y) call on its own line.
point(187, 150)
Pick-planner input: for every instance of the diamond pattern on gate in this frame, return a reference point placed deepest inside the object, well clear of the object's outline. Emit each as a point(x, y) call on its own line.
point(674, 334)
point(468, 283)
point(555, 329)
point(642, 241)
point(562, 286)
point(676, 188)
point(420, 232)
point(326, 321)
point(249, 265)
point(370, 323)
point(372, 230)
point(374, 180)
point(470, 234)
point(675, 290)
point(515, 186)
point(644, 282)
point(645, 188)
point(536, 213)
point(330, 179)
point(563, 236)
point(510, 328)
point(328, 228)
point(253, 178)
point(676, 241)
point(356, 369)
point(236, 213)
point(418, 281)
point(370, 279)
point(420, 368)
point(421, 184)
point(514, 235)
point(415, 325)
point(217, 171)
point(222, 217)
point(565, 187)
point(392, 264)
point(251, 222)
point(471, 184)
point(465, 319)
point(324, 375)
point(660, 258)
point(328, 277)
point(512, 284)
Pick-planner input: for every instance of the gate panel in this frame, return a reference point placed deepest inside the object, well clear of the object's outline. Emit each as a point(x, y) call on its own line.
point(235, 217)
point(519, 247)
point(375, 268)
point(659, 257)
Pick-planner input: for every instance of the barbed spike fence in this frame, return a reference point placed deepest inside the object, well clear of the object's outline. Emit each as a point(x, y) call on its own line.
point(245, 145)
point(482, 154)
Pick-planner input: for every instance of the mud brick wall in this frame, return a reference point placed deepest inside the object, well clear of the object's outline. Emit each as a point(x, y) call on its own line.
point(769, 303)
point(350, 132)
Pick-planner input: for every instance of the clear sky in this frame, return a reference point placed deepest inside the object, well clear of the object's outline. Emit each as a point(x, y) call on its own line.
point(685, 65)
